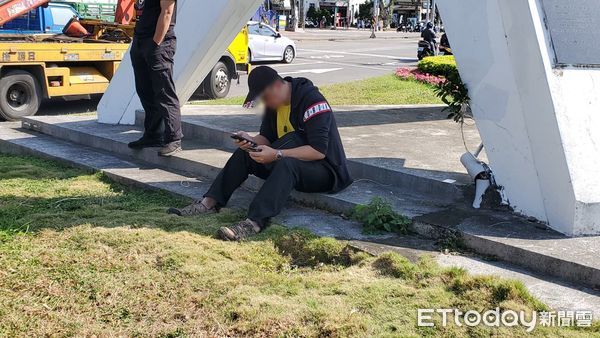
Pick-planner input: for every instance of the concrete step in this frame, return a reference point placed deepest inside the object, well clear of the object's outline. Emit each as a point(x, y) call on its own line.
point(198, 125)
point(493, 233)
point(203, 160)
point(556, 293)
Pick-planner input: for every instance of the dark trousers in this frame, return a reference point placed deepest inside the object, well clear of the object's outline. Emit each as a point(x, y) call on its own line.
point(153, 69)
point(280, 178)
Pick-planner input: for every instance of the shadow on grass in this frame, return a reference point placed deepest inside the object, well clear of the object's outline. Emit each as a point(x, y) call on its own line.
point(36, 194)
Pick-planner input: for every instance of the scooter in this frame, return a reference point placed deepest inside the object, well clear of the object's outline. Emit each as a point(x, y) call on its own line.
point(424, 50)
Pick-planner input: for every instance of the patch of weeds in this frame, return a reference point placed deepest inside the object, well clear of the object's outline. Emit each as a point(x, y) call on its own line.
point(451, 241)
point(424, 272)
point(308, 250)
point(504, 293)
point(393, 265)
point(170, 262)
point(378, 216)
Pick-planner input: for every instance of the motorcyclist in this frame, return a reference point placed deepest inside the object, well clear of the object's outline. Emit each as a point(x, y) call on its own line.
point(429, 35)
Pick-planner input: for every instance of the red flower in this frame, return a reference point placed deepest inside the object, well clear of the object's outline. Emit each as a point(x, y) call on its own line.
point(416, 75)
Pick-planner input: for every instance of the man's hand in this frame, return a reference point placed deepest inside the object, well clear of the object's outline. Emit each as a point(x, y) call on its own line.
point(265, 156)
point(244, 145)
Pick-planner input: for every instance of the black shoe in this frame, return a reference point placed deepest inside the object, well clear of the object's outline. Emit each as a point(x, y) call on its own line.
point(170, 149)
point(145, 142)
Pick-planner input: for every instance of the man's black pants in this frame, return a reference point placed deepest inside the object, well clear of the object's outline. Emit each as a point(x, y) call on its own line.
point(280, 178)
point(153, 69)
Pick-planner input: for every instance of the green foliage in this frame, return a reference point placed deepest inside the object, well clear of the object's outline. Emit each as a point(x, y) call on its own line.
point(453, 92)
point(438, 65)
point(365, 11)
point(314, 15)
point(378, 216)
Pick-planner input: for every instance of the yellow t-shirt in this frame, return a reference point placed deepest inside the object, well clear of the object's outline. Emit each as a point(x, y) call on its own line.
point(284, 125)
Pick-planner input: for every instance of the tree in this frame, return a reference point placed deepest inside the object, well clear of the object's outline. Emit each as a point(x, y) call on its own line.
point(314, 15)
point(385, 12)
point(365, 11)
point(293, 18)
point(328, 15)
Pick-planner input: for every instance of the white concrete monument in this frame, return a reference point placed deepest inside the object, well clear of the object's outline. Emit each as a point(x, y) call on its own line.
point(533, 72)
point(204, 30)
point(532, 68)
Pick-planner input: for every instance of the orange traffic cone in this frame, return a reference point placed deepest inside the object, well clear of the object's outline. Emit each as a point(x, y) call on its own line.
point(74, 29)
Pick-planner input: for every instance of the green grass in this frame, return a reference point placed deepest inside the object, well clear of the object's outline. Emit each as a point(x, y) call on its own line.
point(83, 256)
point(387, 89)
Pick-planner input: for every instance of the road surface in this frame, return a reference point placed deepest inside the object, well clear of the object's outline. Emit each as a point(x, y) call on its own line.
point(328, 57)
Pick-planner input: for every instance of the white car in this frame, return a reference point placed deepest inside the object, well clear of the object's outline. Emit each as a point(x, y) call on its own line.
point(266, 44)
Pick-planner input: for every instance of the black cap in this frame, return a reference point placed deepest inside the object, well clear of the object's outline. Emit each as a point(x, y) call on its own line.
point(258, 80)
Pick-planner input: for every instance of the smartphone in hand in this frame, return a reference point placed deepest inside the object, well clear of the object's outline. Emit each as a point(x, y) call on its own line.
point(242, 139)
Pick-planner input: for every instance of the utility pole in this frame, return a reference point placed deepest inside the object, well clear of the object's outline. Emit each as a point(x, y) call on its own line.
point(430, 16)
point(302, 14)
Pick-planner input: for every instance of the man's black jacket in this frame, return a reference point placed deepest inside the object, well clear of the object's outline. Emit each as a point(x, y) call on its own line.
point(313, 120)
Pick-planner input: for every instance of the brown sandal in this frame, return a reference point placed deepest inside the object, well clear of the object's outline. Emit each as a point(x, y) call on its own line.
point(238, 232)
point(194, 209)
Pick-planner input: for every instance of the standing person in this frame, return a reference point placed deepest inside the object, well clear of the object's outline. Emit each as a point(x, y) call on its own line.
point(298, 147)
point(152, 54)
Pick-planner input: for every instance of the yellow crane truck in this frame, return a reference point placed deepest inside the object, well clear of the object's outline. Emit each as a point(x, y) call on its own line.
point(37, 66)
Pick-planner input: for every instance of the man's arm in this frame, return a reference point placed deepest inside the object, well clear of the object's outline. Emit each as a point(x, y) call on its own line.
point(167, 8)
point(304, 153)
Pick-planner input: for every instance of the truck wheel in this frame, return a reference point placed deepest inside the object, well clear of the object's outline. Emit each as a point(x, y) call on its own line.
point(289, 54)
point(20, 95)
point(218, 82)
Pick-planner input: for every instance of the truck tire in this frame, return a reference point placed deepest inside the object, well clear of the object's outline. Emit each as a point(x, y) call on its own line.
point(218, 82)
point(20, 95)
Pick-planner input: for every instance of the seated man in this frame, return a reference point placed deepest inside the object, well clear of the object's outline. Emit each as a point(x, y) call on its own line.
point(299, 147)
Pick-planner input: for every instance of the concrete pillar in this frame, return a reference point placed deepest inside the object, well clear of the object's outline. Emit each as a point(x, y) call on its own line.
point(532, 70)
point(204, 31)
